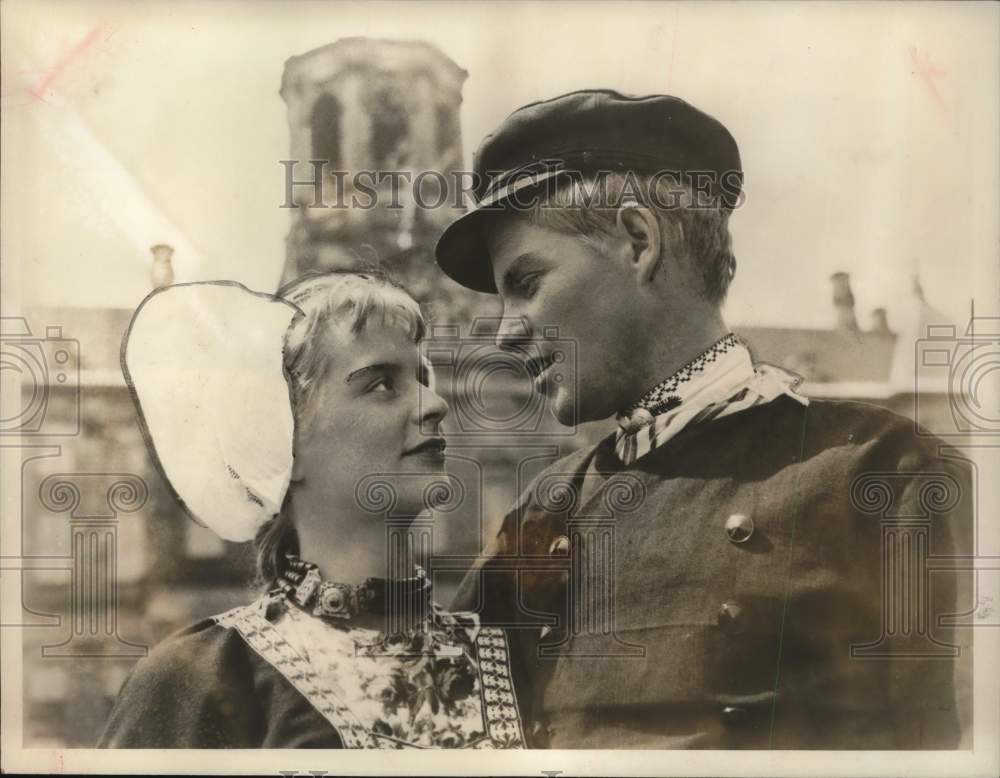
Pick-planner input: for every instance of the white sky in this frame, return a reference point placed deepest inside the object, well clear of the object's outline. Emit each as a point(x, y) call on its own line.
point(869, 133)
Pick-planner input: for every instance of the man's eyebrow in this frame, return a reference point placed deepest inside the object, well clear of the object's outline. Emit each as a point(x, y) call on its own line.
point(523, 262)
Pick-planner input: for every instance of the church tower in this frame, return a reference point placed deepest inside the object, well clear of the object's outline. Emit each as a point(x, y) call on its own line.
point(375, 111)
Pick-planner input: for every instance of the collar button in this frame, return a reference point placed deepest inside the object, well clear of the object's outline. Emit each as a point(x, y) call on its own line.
point(636, 420)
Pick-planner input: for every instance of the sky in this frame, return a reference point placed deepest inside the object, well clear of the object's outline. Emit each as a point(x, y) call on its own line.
point(868, 134)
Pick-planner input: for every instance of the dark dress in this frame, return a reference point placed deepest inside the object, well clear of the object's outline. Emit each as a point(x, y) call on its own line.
point(261, 677)
point(829, 627)
point(204, 687)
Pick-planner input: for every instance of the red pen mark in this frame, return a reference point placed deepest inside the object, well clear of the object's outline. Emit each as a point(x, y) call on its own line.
point(39, 90)
point(927, 72)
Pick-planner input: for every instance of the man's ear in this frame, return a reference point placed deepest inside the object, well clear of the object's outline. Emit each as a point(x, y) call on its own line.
point(643, 230)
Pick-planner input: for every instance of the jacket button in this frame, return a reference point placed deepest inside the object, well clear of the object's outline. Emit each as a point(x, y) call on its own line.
point(729, 613)
point(739, 528)
point(733, 716)
point(560, 546)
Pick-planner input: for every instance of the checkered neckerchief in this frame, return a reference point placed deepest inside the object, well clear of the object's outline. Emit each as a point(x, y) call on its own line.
point(720, 381)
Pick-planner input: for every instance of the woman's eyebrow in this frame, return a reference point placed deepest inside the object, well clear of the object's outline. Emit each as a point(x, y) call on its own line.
point(379, 367)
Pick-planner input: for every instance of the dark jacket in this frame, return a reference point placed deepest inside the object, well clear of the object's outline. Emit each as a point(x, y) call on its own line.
point(203, 687)
point(819, 631)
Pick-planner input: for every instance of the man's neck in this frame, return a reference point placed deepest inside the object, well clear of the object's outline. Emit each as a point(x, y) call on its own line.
point(669, 354)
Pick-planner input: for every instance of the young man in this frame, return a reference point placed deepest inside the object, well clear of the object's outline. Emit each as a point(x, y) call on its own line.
point(747, 567)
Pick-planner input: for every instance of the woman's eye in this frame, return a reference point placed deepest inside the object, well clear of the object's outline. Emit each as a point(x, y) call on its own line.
point(381, 385)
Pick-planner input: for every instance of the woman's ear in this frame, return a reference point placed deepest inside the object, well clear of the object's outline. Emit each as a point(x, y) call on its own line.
point(642, 228)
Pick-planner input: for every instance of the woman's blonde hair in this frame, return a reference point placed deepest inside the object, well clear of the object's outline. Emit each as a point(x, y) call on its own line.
point(354, 299)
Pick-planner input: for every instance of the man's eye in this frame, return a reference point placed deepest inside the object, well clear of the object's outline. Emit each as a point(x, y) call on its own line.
point(529, 284)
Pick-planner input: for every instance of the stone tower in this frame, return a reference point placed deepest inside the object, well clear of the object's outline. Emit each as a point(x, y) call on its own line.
point(374, 110)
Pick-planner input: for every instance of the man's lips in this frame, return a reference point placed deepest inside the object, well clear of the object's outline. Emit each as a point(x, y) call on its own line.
point(430, 446)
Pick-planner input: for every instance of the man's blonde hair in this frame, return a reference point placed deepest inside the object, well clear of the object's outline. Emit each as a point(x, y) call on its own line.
point(588, 207)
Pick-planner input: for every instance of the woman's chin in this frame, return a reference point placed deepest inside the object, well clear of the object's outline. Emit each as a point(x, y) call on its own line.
point(430, 461)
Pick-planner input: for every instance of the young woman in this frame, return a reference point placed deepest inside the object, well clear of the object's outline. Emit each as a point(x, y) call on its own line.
point(308, 423)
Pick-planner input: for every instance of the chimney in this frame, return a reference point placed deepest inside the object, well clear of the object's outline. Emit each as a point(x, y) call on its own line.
point(163, 272)
point(880, 324)
point(843, 301)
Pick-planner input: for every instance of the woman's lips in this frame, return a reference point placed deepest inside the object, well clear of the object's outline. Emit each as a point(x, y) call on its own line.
point(432, 447)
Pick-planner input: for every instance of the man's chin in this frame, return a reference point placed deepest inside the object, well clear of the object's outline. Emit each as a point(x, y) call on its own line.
point(564, 408)
point(571, 410)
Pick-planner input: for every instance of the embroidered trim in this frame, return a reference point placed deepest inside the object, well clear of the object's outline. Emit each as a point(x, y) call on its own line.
point(661, 397)
point(499, 705)
point(503, 720)
point(263, 638)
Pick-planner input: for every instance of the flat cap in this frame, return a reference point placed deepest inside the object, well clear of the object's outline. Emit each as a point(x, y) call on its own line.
point(585, 132)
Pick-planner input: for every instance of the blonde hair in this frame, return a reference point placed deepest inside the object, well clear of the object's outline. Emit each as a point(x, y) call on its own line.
point(356, 299)
point(703, 224)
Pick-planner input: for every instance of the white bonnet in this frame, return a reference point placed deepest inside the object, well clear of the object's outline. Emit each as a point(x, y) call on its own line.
point(205, 365)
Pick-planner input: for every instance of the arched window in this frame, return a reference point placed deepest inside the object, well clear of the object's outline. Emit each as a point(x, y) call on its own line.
point(325, 125)
point(389, 127)
point(446, 127)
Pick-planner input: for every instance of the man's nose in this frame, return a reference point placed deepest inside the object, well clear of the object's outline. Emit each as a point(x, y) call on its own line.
point(431, 407)
point(513, 331)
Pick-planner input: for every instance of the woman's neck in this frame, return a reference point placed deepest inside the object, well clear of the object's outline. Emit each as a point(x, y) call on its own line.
point(349, 546)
